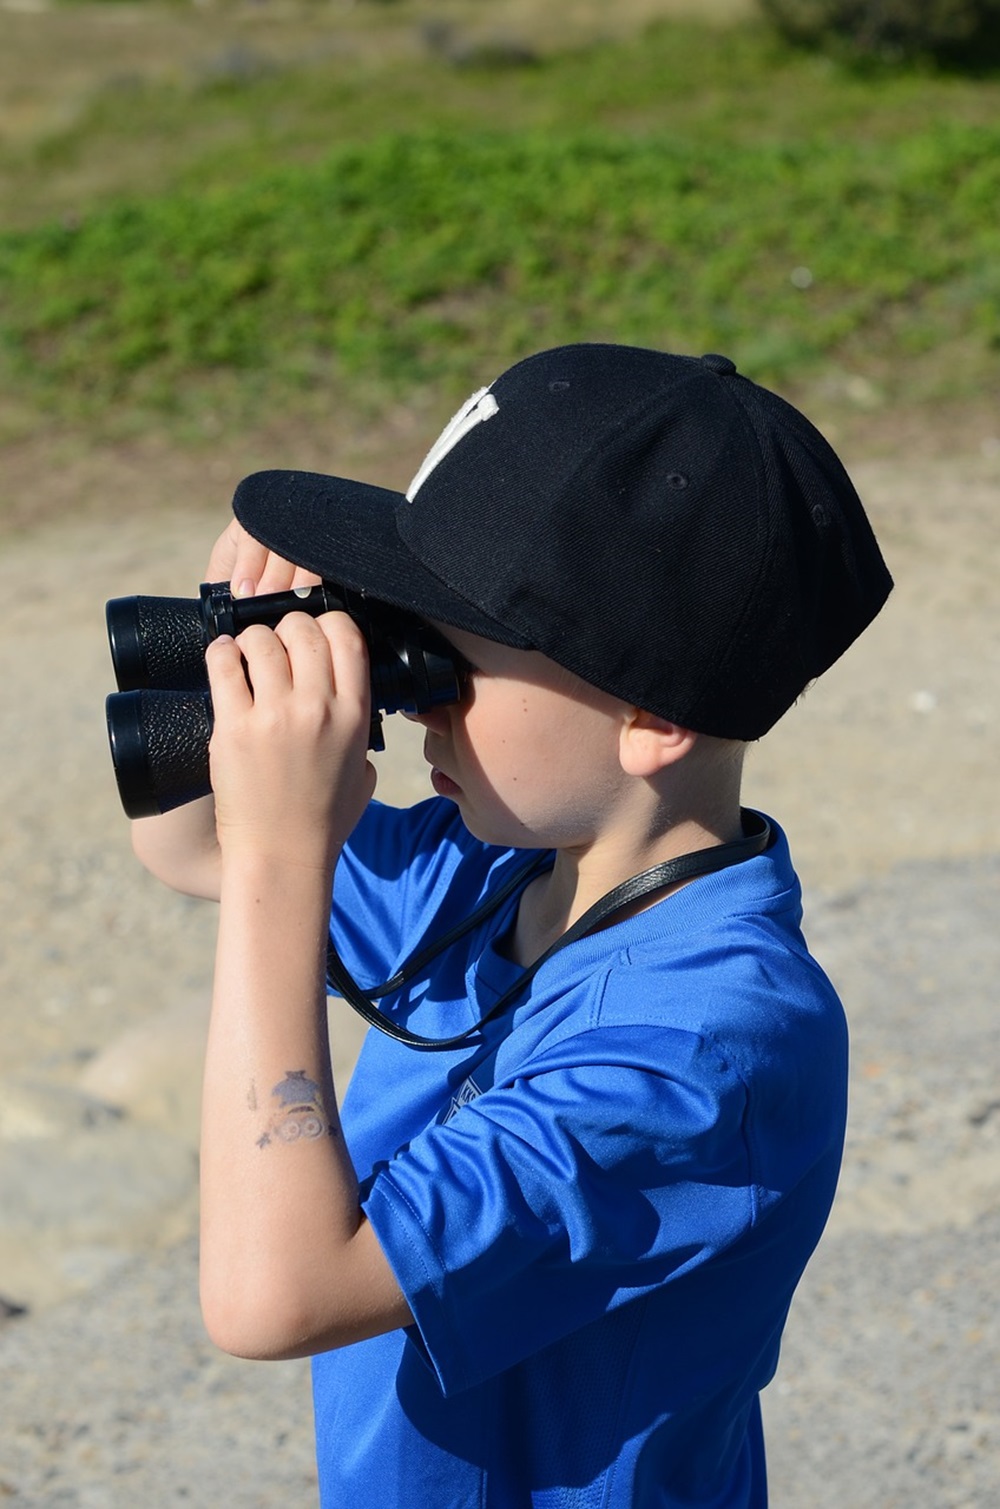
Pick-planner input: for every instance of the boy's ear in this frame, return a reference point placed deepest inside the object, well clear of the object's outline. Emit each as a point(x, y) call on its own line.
point(648, 744)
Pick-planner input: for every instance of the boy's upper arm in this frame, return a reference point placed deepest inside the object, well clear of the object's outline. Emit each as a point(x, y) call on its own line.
point(375, 1298)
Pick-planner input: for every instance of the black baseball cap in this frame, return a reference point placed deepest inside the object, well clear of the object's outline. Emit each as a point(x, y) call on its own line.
point(667, 529)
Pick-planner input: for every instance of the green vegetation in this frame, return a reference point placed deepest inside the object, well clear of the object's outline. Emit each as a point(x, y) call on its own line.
point(689, 190)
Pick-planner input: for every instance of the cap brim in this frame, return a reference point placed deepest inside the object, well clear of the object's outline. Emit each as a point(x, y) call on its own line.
point(346, 532)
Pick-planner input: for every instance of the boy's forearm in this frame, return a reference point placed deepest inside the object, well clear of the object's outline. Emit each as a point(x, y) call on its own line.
point(181, 848)
point(289, 1266)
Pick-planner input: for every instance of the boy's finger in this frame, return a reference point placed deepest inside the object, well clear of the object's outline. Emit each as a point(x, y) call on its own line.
point(235, 555)
point(226, 677)
point(277, 575)
point(253, 566)
point(325, 657)
point(267, 665)
point(250, 568)
point(307, 651)
point(349, 653)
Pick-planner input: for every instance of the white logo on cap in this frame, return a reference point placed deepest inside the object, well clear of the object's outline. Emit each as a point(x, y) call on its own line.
point(475, 410)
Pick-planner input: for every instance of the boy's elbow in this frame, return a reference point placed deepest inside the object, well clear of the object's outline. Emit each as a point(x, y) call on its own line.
point(241, 1336)
point(266, 1321)
point(272, 1309)
point(192, 871)
point(259, 1326)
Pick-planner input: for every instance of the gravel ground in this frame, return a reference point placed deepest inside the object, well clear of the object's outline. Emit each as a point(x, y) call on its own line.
point(109, 1393)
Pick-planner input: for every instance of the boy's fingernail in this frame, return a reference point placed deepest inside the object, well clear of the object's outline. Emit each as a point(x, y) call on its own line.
point(245, 588)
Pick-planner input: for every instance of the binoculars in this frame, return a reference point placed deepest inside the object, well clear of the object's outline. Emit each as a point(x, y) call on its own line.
point(160, 719)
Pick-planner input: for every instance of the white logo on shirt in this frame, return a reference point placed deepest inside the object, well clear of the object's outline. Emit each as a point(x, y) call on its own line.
point(469, 1091)
point(475, 410)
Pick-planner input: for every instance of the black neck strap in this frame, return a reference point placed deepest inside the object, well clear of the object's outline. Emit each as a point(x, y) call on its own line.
point(757, 837)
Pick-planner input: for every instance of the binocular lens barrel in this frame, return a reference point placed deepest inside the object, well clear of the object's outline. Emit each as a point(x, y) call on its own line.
point(157, 642)
point(159, 748)
point(160, 719)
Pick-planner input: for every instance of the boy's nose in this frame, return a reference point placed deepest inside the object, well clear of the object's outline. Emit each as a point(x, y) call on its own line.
point(436, 718)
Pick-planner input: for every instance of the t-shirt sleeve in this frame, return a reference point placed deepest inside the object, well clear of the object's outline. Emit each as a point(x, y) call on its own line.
point(612, 1163)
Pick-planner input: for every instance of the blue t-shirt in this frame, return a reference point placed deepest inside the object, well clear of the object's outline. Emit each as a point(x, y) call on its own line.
point(598, 1210)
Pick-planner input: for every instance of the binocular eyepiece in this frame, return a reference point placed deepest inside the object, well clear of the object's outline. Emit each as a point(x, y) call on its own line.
point(160, 719)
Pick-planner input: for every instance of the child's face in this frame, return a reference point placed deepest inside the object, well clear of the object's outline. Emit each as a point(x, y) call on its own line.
point(530, 753)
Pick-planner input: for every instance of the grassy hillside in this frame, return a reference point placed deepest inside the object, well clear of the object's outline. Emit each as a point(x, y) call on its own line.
point(341, 229)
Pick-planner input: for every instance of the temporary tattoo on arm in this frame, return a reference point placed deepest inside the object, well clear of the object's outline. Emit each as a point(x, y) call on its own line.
point(300, 1113)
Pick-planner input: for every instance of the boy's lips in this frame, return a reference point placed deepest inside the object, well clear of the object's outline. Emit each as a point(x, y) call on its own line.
point(443, 784)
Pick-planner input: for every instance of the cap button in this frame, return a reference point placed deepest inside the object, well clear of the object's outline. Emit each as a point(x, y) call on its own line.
point(720, 364)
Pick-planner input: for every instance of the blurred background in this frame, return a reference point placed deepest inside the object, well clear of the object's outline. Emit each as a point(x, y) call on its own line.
point(219, 215)
point(253, 233)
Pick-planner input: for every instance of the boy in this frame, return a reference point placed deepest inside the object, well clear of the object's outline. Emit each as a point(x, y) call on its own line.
point(549, 1264)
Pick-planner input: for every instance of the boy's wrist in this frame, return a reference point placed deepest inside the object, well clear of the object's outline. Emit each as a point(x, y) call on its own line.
point(275, 913)
point(276, 866)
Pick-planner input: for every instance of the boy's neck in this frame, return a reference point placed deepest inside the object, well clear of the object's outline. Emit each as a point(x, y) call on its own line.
point(553, 902)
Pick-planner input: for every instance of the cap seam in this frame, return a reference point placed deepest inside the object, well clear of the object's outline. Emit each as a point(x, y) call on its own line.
point(764, 528)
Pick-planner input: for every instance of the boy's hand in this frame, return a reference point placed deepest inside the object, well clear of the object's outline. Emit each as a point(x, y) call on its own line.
point(250, 568)
point(289, 751)
point(182, 847)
